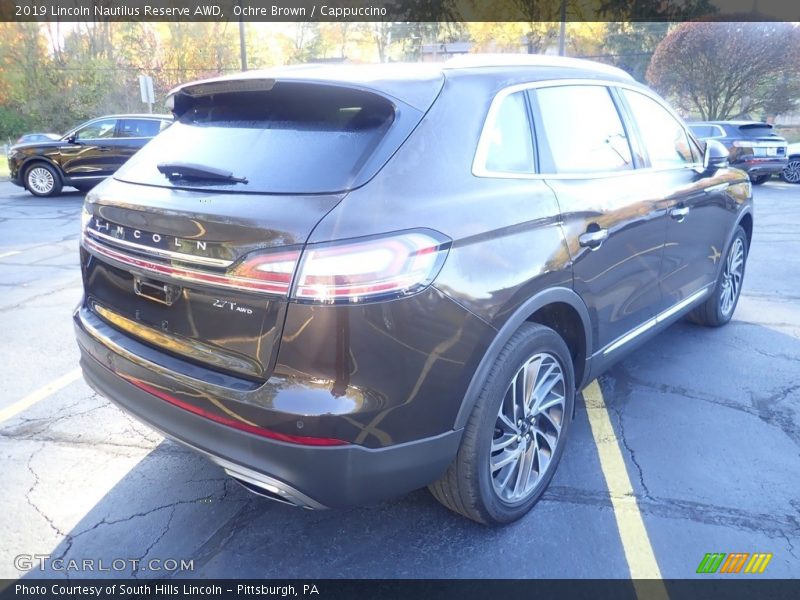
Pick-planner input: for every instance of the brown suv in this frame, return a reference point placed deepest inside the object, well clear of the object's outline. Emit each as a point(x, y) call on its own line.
point(83, 157)
point(344, 283)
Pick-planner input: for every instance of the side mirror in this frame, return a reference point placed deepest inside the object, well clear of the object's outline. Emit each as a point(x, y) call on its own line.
point(715, 156)
point(73, 138)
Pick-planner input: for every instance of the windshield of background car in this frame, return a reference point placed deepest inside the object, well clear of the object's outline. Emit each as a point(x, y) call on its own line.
point(295, 138)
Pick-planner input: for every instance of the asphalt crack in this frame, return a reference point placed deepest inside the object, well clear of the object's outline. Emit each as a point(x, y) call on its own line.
point(631, 453)
point(100, 445)
point(171, 506)
point(164, 532)
point(782, 417)
point(35, 484)
point(776, 526)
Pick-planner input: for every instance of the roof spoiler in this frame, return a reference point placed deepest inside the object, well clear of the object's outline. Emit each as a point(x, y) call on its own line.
point(178, 99)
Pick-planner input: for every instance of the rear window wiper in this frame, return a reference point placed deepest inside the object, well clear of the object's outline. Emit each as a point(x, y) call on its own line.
point(193, 171)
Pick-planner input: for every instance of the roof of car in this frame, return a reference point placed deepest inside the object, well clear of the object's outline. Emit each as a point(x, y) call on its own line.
point(134, 116)
point(417, 84)
point(737, 123)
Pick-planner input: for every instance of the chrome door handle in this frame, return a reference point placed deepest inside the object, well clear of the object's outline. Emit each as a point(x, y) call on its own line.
point(593, 239)
point(679, 214)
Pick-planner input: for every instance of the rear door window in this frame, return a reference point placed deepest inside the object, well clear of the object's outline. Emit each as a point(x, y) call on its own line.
point(583, 129)
point(294, 138)
point(138, 128)
point(704, 131)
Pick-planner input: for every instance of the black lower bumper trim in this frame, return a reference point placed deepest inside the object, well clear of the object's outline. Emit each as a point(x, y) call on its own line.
point(327, 476)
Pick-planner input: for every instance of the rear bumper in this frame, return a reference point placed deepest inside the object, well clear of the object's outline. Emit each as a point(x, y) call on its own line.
point(761, 166)
point(312, 477)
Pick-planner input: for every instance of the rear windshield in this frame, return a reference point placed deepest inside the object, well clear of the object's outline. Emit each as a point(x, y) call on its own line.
point(294, 138)
point(756, 130)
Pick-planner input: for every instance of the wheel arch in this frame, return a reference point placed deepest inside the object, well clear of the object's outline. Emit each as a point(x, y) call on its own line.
point(28, 163)
point(745, 221)
point(560, 309)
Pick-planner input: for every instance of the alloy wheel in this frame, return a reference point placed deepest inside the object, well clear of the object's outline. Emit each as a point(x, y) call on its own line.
point(791, 173)
point(732, 277)
point(528, 428)
point(41, 180)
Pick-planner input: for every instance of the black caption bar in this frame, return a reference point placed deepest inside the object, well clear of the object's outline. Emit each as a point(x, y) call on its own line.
point(616, 589)
point(396, 10)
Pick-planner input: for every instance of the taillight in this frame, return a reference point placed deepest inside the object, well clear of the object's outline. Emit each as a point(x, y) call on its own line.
point(349, 271)
point(370, 269)
point(266, 272)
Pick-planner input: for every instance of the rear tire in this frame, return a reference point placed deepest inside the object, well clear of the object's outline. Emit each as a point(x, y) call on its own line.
point(718, 309)
point(759, 179)
point(42, 180)
point(791, 172)
point(516, 432)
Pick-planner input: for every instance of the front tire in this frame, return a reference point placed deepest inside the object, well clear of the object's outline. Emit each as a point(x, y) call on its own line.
point(42, 180)
point(791, 172)
point(759, 179)
point(516, 432)
point(718, 309)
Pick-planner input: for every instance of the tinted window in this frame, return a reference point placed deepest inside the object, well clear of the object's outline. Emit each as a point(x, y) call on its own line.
point(294, 138)
point(704, 131)
point(104, 128)
point(756, 130)
point(583, 129)
point(138, 128)
point(510, 145)
point(663, 137)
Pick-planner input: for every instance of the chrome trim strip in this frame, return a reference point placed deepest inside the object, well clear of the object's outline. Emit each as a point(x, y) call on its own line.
point(634, 333)
point(205, 278)
point(74, 177)
point(479, 162)
point(658, 319)
point(168, 254)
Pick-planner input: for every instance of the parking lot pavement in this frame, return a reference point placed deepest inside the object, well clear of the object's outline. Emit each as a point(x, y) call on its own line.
point(707, 422)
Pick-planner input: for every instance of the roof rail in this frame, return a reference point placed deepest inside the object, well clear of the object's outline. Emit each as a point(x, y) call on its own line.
point(531, 60)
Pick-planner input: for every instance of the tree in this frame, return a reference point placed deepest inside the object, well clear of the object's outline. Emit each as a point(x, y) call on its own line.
point(729, 70)
point(630, 45)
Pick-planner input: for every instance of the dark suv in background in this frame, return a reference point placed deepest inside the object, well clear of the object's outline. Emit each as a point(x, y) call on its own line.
point(344, 283)
point(84, 156)
point(752, 146)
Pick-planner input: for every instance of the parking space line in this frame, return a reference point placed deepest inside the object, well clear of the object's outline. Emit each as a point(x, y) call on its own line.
point(635, 541)
point(7, 254)
point(37, 395)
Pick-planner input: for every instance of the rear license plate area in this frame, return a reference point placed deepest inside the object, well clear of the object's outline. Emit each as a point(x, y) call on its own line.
point(157, 291)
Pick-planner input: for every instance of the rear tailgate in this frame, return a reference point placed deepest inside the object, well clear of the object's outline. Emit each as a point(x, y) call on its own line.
point(191, 247)
point(762, 141)
point(158, 269)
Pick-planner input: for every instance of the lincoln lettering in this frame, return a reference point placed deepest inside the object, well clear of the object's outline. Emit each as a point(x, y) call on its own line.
point(120, 232)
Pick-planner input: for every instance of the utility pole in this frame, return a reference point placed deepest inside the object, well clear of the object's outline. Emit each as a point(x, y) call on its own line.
point(562, 33)
point(242, 45)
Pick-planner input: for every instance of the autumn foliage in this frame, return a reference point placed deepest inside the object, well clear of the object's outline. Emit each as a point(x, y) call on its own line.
point(729, 70)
